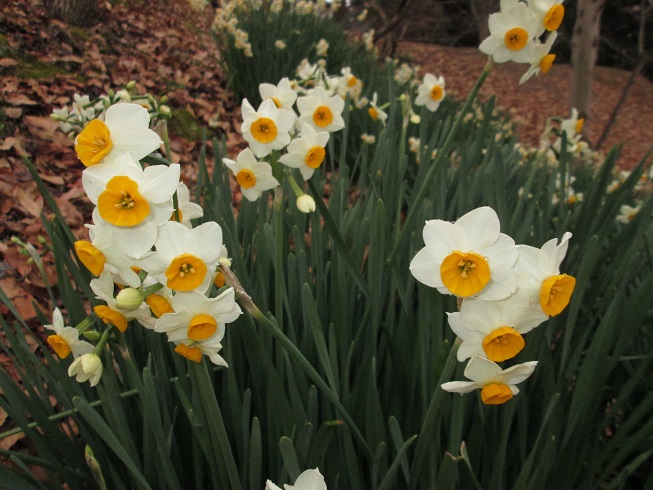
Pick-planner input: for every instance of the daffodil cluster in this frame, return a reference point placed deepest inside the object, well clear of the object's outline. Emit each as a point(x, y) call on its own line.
point(151, 264)
point(83, 110)
point(524, 32)
point(504, 290)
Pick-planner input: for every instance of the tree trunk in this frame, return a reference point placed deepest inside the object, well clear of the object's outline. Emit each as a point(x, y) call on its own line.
point(82, 13)
point(584, 50)
point(482, 9)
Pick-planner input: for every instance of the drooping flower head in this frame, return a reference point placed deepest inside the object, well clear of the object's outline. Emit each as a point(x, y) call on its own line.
point(87, 367)
point(494, 329)
point(470, 257)
point(512, 33)
point(538, 273)
point(431, 92)
point(132, 200)
point(65, 340)
point(542, 58)
point(497, 386)
point(375, 112)
point(125, 129)
point(267, 128)
point(282, 94)
point(252, 175)
point(306, 152)
point(321, 111)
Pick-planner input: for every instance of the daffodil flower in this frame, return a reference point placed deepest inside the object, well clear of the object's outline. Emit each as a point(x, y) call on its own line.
point(431, 92)
point(308, 480)
point(267, 128)
point(135, 202)
point(538, 273)
point(512, 33)
point(65, 340)
point(348, 83)
point(253, 176)
point(542, 58)
point(497, 386)
point(125, 129)
point(467, 258)
point(548, 14)
point(321, 111)
point(494, 329)
point(282, 94)
point(186, 210)
point(306, 152)
point(375, 112)
point(185, 259)
point(198, 324)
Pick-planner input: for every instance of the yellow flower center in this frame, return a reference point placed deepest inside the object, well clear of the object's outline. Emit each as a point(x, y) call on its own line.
point(246, 179)
point(90, 256)
point(502, 344)
point(93, 143)
point(352, 81)
point(109, 316)
point(553, 17)
point(464, 273)
point(374, 114)
point(322, 116)
point(315, 157)
point(59, 345)
point(121, 204)
point(556, 292)
point(219, 280)
point(264, 130)
point(495, 394)
point(546, 62)
point(516, 39)
point(185, 273)
point(201, 327)
point(437, 92)
point(158, 305)
point(579, 125)
point(177, 214)
point(190, 353)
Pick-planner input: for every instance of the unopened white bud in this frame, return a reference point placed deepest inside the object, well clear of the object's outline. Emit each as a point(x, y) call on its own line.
point(305, 204)
point(129, 299)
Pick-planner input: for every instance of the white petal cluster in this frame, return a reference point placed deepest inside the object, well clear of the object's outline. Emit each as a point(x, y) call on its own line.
point(308, 480)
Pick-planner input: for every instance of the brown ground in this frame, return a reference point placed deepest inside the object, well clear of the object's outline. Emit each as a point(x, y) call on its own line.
point(547, 95)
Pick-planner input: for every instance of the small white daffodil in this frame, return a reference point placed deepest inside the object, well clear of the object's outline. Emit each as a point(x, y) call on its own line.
point(253, 176)
point(186, 210)
point(497, 386)
point(282, 94)
point(542, 59)
point(65, 340)
point(512, 33)
point(308, 480)
point(375, 112)
point(321, 111)
point(431, 92)
point(87, 367)
point(111, 313)
point(267, 128)
point(548, 14)
point(306, 152)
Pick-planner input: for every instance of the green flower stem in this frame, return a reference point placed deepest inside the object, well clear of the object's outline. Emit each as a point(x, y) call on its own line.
point(151, 289)
point(103, 340)
point(442, 154)
point(86, 323)
point(278, 254)
point(273, 328)
point(431, 417)
point(295, 187)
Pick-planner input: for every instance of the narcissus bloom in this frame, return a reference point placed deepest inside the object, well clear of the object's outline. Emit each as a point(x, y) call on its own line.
point(125, 129)
point(132, 200)
point(87, 368)
point(542, 58)
point(65, 340)
point(467, 258)
point(497, 386)
point(186, 210)
point(494, 329)
point(321, 111)
point(306, 152)
point(548, 14)
point(538, 273)
point(185, 258)
point(431, 92)
point(348, 83)
point(512, 33)
point(308, 480)
point(253, 176)
point(267, 128)
point(198, 324)
point(376, 113)
point(282, 94)
point(110, 313)
point(627, 213)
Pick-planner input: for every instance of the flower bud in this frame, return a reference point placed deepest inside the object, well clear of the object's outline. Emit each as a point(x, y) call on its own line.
point(306, 204)
point(124, 96)
point(87, 368)
point(129, 299)
point(164, 111)
point(131, 85)
point(92, 335)
point(415, 119)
